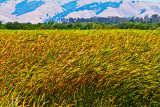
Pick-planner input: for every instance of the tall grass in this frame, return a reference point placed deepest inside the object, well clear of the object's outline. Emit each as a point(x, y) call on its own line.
point(79, 68)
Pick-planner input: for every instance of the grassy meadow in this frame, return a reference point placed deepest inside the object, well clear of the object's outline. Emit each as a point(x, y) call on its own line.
point(79, 68)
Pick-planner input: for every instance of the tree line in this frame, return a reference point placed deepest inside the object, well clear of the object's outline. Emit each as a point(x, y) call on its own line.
point(114, 20)
point(83, 26)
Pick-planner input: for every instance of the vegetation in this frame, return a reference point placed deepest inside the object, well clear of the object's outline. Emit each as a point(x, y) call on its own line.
point(76, 68)
point(142, 26)
point(114, 19)
point(82, 26)
point(0, 25)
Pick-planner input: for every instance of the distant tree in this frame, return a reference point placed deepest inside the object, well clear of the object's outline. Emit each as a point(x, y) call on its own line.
point(29, 23)
point(71, 20)
point(132, 20)
point(114, 20)
point(14, 25)
point(64, 20)
point(0, 24)
point(111, 27)
point(77, 25)
point(9, 25)
point(69, 26)
point(124, 25)
point(51, 21)
point(90, 23)
point(155, 18)
point(44, 26)
point(58, 26)
point(146, 19)
point(17, 25)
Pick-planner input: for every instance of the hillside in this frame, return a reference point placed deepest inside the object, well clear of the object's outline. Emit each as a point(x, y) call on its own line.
point(35, 11)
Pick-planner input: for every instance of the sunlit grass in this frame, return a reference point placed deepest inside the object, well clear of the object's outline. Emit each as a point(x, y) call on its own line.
point(79, 68)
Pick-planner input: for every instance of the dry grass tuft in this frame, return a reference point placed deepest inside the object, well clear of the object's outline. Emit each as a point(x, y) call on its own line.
point(79, 68)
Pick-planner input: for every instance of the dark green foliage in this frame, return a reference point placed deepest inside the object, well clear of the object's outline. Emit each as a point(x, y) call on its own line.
point(0, 24)
point(83, 26)
point(24, 26)
point(132, 20)
point(136, 25)
point(51, 21)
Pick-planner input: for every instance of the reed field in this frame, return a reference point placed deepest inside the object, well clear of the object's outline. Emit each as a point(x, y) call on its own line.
point(79, 68)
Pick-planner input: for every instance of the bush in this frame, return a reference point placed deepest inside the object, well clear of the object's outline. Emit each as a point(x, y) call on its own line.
point(82, 26)
point(0, 24)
